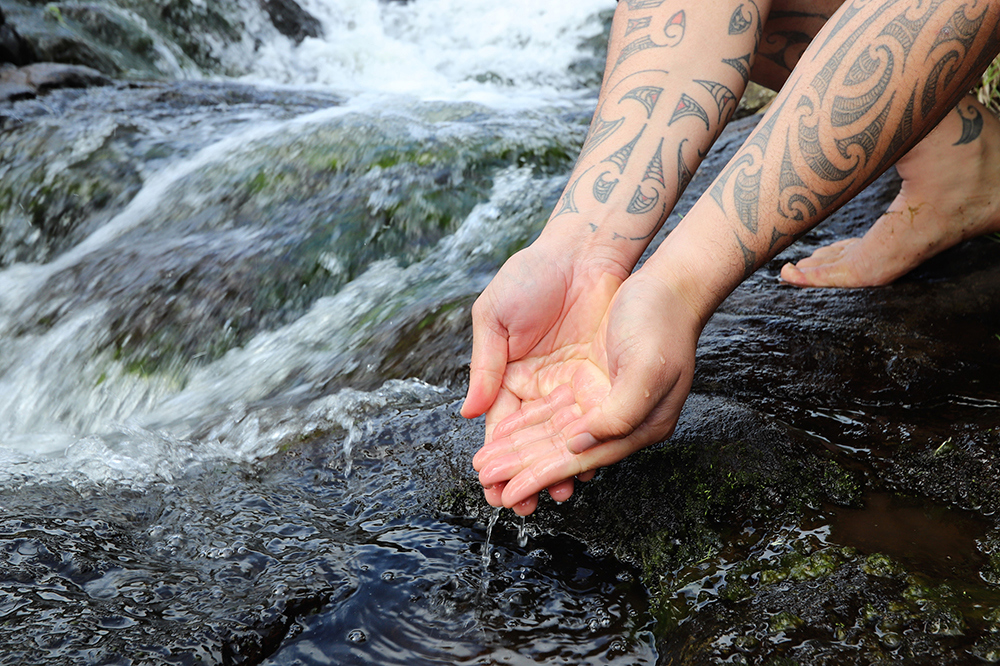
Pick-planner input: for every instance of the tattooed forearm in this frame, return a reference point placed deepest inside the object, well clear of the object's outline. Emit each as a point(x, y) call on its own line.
point(882, 77)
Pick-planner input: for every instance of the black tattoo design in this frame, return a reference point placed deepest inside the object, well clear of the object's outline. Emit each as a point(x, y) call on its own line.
point(868, 137)
point(812, 151)
point(971, 127)
point(821, 82)
point(674, 29)
point(648, 96)
point(741, 65)
point(903, 132)
point(641, 44)
point(621, 156)
point(848, 110)
point(688, 107)
point(749, 257)
point(600, 130)
point(637, 24)
point(642, 204)
point(795, 205)
point(738, 23)
point(643, 4)
point(654, 170)
point(779, 43)
point(723, 96)
point(683, 173)
point(602, 187)
point(776, 237)
point(569, 198)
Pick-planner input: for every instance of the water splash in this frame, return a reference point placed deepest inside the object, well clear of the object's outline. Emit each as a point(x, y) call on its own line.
point(494, 515)
point(522, 532)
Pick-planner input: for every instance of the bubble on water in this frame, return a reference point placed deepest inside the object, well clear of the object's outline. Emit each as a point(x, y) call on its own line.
point(356, 636)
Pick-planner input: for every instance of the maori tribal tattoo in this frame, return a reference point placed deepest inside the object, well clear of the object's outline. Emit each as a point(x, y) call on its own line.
point(603, 187)
point(723, 96)
point(738, 22)
point(654, 170)
point(642, 204)
point(688, 107)
point(972, 126)
point(643, 4)
point(674, 30)
point(568, 202)
point(683, 172)
point(637, 24)
point(600, 130)
point(621, 156)
point(883, 74)
point(741, 65)
point(648, 96)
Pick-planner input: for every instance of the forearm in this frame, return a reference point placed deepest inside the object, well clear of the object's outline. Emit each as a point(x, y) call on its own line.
point(875, 80)
point(664, 101)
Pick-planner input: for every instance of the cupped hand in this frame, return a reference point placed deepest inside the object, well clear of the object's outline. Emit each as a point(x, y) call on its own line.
point(540, 308)
point(588, 395)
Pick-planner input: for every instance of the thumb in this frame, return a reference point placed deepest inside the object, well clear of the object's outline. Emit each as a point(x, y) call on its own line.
point(489, 360)
point(643, 405)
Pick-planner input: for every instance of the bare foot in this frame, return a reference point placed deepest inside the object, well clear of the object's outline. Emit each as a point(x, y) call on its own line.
point(950, 193)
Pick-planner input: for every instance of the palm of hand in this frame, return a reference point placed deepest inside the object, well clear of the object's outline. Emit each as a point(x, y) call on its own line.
point(605, 357)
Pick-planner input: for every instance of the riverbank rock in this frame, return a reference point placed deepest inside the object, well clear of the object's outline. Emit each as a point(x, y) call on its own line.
point(291, 20)
point(38, 78)
point(13, 48)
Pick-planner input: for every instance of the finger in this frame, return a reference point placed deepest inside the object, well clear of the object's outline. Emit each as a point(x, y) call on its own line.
point(526, 506)
point(556, 466)
point(494, 494)
point(505, 404)
point(633, 396)
point(561, 491)
point(502, 452)
point(506, 457)
point(586, 476)
point(489, 359)
point(536, 411)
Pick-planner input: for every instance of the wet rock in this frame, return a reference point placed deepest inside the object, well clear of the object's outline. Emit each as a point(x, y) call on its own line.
point(45, 76)
point(13, 48)
point(291, 20)
point(12, 91)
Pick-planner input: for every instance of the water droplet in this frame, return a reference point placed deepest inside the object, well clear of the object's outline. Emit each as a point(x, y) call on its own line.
point(356, 636)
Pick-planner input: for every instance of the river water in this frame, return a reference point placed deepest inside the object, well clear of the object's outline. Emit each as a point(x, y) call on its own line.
point(233, 336)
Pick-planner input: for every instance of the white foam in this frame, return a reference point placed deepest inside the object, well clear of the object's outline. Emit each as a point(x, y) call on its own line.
point(437, 49)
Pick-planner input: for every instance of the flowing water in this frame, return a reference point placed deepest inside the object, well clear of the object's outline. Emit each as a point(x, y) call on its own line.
point(233, 325)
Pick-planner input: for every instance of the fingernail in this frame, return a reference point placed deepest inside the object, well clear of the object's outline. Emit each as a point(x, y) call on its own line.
point(581, 442)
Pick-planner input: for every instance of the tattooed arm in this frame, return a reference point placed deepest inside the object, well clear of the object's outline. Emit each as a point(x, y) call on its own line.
point(662, 105)
point(877, 78)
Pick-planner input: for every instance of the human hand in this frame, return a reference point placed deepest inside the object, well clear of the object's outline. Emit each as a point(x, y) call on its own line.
point(540, 306)
point(602, 393)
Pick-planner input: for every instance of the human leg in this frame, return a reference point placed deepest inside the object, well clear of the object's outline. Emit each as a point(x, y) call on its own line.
point(951, 179)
